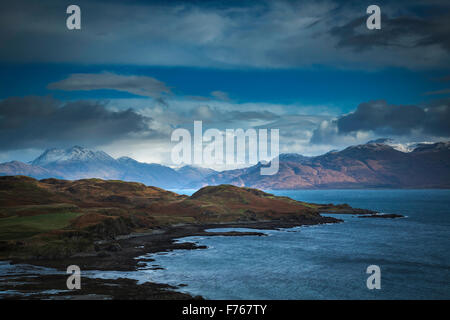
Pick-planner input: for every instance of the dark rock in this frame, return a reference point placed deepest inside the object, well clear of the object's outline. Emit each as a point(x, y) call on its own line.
point(114, 247)
point(385, 216)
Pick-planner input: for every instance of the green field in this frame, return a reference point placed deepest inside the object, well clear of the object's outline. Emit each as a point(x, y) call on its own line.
point(13, 228)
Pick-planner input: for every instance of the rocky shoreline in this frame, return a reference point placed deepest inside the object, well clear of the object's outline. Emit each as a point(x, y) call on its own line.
point(120, 255)
point(123, 258)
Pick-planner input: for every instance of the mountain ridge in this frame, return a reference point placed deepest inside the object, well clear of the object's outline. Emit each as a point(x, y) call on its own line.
point(370, 165)
point(376, 164)
point(77, 162)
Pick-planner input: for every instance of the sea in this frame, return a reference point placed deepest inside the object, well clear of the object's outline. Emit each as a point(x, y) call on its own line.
point(328, 261)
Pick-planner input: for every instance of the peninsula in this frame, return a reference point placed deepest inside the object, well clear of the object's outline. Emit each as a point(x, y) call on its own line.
point(104, 224)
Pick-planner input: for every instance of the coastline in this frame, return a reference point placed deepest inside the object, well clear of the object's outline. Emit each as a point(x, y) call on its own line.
point(123, 258)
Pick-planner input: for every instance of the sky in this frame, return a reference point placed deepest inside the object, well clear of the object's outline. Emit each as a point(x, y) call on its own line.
point(137, 70)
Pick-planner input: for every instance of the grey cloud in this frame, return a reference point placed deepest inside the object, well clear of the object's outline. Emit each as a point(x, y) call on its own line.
point(294, 126)
point(403, 32)
point(162, 102)
point(42, 122)
point(138, 85)
point(214, 115)
point(325, 133)
point(268, 34)
point(382, 119)
point(443, 79)
point(380, 116)
point(437, 120)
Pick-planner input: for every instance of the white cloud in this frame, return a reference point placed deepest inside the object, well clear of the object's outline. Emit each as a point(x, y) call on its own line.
point(295, 122)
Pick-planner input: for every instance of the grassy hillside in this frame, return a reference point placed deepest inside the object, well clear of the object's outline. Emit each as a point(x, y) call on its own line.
point(22, 227)
point(55, 218)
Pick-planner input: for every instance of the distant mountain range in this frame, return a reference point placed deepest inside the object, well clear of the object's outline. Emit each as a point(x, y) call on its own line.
point(371, 165)
point(377, 164)
point(80, 163)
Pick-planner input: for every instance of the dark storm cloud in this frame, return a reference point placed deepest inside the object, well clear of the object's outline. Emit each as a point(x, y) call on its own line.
point(383, 118)
point(379, 119)
point(41, 122)
point(437, 120)
point(261, 34)
point(380, 116)
point(402, 32)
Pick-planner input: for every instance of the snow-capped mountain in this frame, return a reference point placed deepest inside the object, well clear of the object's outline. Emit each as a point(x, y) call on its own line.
point(403, 147)
point(82, 163)
point(376, 164)
point(75, 153)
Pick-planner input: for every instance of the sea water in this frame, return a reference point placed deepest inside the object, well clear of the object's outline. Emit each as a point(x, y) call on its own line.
point(327, 261)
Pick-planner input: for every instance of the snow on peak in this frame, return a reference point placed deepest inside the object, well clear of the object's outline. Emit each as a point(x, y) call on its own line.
point(75, 153)
point(399, 146)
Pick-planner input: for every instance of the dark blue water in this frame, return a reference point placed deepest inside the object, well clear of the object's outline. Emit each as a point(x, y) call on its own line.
point(327, 261)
